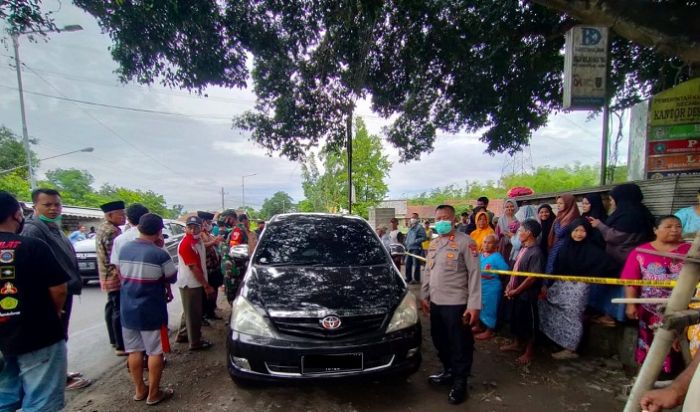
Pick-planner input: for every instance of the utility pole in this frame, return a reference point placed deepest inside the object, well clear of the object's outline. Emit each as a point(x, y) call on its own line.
point(604, 144)
point(243, 188)
point(222, 199)
point(25, 134)
point(349, 150)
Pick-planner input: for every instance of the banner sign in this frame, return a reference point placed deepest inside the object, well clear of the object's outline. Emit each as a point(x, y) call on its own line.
point(674, 131)
point(585, 67)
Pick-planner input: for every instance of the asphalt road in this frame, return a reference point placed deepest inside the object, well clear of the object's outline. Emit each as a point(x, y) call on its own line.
point(89, 350)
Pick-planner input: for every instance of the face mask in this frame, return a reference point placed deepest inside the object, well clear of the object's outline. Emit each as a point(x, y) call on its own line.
point(56, 220)
point(443, 227)
point(21, 226)
point(197, 236)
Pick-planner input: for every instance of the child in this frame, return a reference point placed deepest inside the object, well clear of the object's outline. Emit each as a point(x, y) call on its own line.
point(522, 292)
point(491, 288)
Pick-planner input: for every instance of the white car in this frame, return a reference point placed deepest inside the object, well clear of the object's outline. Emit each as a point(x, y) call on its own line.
point(86, 250)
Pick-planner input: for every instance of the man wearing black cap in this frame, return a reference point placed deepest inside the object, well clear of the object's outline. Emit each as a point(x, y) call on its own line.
point(109, 272)
point(214, 275)
point(146, 274)
point(192, 277)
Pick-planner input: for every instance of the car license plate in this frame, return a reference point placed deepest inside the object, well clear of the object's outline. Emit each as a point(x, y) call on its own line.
point(319, 364)
point(86, 265)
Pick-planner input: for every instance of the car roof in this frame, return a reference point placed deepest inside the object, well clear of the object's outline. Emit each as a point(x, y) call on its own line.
point(329, 216)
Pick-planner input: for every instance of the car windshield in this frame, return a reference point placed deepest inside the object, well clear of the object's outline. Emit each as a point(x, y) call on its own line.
point(319, 240)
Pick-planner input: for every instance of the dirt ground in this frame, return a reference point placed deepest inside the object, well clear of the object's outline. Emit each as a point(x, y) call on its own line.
point(201, 383)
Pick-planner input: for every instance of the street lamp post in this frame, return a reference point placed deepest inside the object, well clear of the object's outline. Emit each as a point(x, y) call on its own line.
point(25, 134)
point(243, 188)
point(85, 149)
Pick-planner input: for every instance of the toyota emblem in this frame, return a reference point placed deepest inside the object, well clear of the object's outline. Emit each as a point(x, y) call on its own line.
point(331, 322)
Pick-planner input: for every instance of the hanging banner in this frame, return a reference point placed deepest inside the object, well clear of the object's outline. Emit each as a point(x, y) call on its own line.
point(674, 131)
point(585, 67)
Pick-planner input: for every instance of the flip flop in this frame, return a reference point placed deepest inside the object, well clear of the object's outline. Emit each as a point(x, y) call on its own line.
point(203, 345)
point(142, 398)
point(73, 375)
point(78, 383)
point(165, 394)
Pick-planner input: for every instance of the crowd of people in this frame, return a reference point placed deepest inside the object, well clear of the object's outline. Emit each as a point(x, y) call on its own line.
point(40, 277)
point(583, 240)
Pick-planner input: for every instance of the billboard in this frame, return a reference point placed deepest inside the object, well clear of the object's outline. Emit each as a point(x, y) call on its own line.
point(585, 67)
point(673, 147)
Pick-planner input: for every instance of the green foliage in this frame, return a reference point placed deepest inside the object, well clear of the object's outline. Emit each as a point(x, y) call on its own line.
point(483, 65)
point(74, 185)
point(328, 191)
point(543, 180)
point(16, 184)
point(280, 202)
point(12, 154)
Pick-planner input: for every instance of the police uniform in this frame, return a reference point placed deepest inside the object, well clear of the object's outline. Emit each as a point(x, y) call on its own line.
point(452, 284)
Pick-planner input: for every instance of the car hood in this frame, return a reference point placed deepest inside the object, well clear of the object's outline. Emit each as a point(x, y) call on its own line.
point(85, 246)
point(316, 291)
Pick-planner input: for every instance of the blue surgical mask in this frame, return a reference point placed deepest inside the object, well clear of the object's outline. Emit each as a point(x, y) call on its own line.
point(443, 227)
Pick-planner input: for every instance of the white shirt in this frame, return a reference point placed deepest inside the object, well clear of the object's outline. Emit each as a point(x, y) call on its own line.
point(127, 236)
point(185, 277)
point(394, 235)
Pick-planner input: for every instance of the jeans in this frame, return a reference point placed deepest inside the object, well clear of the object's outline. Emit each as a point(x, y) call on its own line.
point(114, 320)
point(35, 381)
point(413, 266)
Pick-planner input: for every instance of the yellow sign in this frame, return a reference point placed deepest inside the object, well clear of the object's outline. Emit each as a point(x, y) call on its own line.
point(676, 106)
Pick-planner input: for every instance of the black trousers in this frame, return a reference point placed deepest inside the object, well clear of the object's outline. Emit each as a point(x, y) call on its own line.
point(113, 319)
point(67, 309)
point(413, 266)
point(452, 339)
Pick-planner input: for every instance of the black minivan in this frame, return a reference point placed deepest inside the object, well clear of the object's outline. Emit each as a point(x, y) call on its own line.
point(322, 299)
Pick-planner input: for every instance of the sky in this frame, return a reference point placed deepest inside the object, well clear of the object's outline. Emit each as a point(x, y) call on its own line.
point(184, 147)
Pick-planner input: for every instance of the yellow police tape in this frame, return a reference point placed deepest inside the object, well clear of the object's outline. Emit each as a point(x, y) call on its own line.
point(585, 279)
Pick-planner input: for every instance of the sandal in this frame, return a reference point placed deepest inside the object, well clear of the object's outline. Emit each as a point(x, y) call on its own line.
point(203, 345)
point(165, 394)
point(141, 398)
point(73, 375)
point(77, 383)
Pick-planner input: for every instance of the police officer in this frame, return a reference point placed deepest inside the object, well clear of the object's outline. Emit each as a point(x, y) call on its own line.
point(452, 296)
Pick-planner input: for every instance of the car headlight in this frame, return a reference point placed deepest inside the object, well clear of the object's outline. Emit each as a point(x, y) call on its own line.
point(245, 319)
point(406, 315)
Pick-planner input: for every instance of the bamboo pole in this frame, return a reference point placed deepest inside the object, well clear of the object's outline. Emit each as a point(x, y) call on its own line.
point(680, 297)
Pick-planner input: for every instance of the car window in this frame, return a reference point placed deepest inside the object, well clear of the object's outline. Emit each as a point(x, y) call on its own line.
point(176, 229)
point(319, 240)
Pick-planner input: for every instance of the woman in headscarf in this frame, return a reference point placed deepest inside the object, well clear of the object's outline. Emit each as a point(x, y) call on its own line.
point(567, 211)
point(630, 225)
point(642, 264)
point(507, 226)
point(592, 206)
point(563, 304)
point(545, 215)
point(482, 229)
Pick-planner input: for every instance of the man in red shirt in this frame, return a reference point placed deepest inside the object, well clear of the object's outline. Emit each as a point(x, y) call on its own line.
point(192, 277)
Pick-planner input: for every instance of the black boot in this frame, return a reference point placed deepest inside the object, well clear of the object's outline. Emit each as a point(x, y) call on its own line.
point(442, 378)
point(458, 393)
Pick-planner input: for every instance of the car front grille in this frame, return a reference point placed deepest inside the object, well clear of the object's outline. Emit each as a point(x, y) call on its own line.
point(350, 326)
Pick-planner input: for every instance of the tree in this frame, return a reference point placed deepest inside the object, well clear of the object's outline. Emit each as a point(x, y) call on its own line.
point(670, 27)
point(280, 202)
point(75, 186)
point(13, 155)
point(328, 191)
point(482, 65)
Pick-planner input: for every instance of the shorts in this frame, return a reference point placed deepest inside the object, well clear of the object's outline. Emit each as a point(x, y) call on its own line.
point(35, 381)
point(148, 341)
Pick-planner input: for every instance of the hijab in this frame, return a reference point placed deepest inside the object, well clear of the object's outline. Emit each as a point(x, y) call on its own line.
point(564, 216)
point(597, 208)
point(584, 257)
point(472, 218)
point(630, 215)
point(480, 234)
point(504, 221)
point(546, 226)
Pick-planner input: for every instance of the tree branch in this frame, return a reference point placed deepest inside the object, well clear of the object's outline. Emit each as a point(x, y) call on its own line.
point(669, 27)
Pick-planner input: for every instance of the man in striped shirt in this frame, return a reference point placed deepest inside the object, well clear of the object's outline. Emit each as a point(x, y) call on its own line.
point(146, 274)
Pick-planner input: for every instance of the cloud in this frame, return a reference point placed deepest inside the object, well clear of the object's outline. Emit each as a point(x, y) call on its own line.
point(190, 158)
